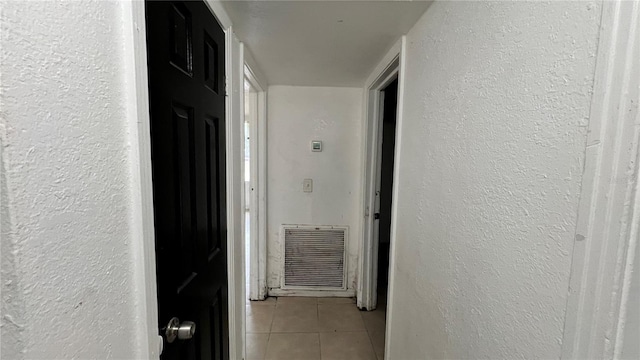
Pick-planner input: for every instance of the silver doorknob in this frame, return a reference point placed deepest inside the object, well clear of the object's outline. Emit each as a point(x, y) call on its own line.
point(182, 331)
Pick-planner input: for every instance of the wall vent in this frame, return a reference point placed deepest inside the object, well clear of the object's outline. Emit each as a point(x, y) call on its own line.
point(314, 257)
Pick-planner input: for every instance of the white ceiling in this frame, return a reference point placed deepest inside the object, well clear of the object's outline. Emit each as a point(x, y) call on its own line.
point(321, 43)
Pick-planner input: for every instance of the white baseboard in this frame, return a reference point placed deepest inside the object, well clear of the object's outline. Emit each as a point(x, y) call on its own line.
point(312, 293)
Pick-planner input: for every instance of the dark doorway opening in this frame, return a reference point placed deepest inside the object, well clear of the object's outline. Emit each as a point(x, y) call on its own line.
point(390, 103)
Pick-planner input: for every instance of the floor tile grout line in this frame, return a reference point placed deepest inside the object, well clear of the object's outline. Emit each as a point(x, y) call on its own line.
point(373, 348)
point(320, 345)
point(267, 348)
point(273, 318)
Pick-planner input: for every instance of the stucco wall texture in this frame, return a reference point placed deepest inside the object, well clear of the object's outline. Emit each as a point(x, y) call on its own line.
point(67, 268)
point(496, 103)
point(297, 115)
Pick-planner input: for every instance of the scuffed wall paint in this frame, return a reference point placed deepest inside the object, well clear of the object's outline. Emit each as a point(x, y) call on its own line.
point(296, 116)
point(493, 132)
point(67, 271)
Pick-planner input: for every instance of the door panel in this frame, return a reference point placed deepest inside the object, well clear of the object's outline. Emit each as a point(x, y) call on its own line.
point(181, 30)
point(185, 47)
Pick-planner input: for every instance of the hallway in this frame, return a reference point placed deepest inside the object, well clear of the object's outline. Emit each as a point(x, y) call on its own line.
point(313, 328)
point(515, 184)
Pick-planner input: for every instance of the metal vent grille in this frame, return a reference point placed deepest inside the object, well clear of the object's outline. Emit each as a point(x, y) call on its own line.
point(314, 257)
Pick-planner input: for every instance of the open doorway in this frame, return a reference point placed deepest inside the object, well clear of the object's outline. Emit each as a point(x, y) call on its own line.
point(254, 185)
point(250, 114)
point(250, 179)
point(389, 100)
point(380, 149)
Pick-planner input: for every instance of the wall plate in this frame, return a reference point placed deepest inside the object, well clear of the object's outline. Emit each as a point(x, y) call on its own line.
point(316, 146)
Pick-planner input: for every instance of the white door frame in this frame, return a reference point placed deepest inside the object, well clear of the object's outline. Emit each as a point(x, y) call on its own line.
point(142, 217)
point(608, 225)
point(235, 208)
point(388, 71)
point(258, 214)
point(144, 253)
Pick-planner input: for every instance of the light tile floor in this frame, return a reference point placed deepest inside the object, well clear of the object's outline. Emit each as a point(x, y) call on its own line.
point(296, 328)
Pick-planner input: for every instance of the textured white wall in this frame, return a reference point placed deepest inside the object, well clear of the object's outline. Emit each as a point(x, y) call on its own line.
point(67, 266)
point(497, 98)
point(296, 116)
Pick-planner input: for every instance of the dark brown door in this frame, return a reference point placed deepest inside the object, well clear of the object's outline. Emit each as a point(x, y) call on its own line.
point(185, 51)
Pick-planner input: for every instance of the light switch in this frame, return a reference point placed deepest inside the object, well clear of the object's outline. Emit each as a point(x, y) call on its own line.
point(307, 185)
